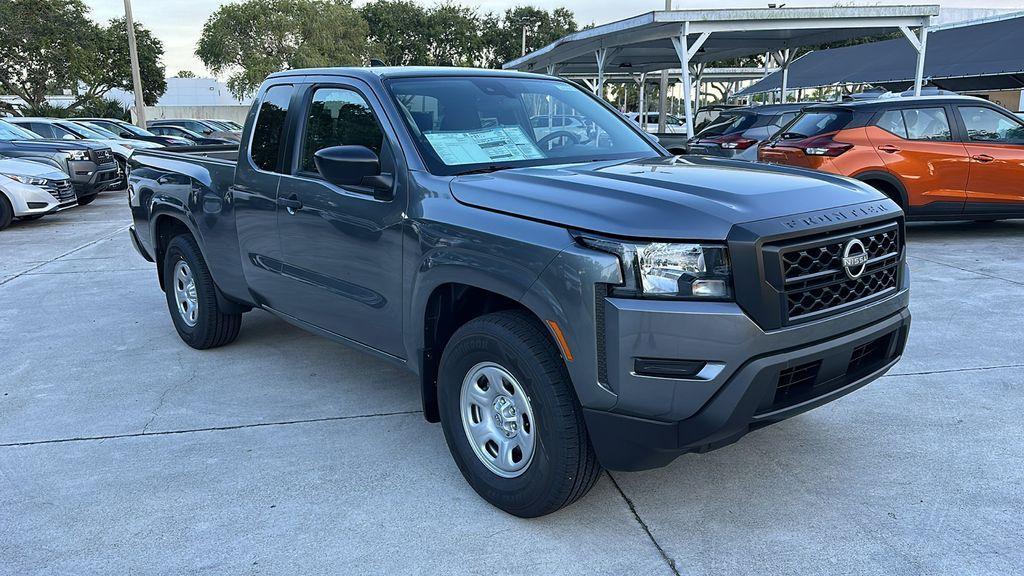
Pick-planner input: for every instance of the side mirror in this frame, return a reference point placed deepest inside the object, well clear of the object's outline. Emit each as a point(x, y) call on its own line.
point(207, 132)
point(125, 134)
point(354, 166)
point(68, 137)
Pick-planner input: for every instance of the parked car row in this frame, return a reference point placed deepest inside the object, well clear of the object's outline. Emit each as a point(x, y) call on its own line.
point(939, 156)
point(50, 164)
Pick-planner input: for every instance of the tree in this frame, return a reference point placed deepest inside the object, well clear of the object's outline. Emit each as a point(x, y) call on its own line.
point(254, 38)
point(40, 46)
point(504, 35)
point(109, 65)
point(399, 32)
point(185, 74)
point(454, 36)
point(47, 46)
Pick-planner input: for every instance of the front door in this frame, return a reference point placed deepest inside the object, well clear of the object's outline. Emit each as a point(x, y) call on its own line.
point(918, 146)
point(995, 142)
point(343, 246)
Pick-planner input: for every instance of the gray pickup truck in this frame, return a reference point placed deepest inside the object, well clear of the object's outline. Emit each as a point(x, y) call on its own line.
point(569, 300)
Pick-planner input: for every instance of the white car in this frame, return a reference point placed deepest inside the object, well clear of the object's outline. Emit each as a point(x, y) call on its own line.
point(673, 124)
point(30, 190)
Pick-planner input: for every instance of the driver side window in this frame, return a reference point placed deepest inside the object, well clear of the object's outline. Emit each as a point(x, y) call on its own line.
point(338, 117)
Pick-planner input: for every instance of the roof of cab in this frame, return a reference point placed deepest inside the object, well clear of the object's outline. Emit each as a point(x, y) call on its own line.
point(403, 72)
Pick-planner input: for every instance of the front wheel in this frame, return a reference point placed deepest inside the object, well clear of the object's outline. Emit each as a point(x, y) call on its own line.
point(511, 418)
point(192, 298)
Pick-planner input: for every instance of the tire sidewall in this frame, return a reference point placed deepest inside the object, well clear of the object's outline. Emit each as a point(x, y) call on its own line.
point(178, 251)
point(6, 212)
point(485, 343)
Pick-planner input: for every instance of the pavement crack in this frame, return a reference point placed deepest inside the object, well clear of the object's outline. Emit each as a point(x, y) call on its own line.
point(650, 536)
point(969, 271)
point(68, 253)
point(163, 397)
point(207, 429)
point(952, 370)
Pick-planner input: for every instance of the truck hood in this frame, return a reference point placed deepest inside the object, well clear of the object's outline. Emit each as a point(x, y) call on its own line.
point(665, 198)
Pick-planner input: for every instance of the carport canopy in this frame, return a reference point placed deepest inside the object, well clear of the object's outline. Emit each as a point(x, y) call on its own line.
point(675, 39)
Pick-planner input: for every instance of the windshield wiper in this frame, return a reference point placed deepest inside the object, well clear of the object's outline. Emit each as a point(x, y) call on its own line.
point(485, 170)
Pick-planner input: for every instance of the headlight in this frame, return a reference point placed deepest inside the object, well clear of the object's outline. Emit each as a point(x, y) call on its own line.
point(77, 154)
point(669, 270)
point(26, 179)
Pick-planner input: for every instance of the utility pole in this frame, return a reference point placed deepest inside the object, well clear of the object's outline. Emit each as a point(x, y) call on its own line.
point(663, 90)
point(133, 53)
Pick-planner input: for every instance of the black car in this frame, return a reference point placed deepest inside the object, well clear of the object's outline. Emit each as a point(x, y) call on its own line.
point(194, 137)
point(132, 132)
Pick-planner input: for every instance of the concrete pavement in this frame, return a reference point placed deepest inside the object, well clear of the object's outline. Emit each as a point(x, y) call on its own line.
point(124, 451)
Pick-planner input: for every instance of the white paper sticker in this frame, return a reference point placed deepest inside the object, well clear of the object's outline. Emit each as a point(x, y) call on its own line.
point(489, 145)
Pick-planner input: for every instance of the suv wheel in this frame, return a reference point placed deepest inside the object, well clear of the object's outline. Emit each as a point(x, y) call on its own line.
point(511, 418)
point(192, 298)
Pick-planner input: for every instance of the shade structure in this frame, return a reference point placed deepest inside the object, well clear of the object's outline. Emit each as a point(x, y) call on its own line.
point(982, 55)
point(678, 38)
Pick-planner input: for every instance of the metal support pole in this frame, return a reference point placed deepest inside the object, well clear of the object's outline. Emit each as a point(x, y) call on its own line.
point(602, 57)
point(785, 58)
point(663, 90)
point(642, 107)
point(919, 77)
point(683, 51)
point(133, 54)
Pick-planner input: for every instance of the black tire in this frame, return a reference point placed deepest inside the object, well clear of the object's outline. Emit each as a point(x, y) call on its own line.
point(85, 201)
point(212, 327)
point(6, 212)
point(564, 466)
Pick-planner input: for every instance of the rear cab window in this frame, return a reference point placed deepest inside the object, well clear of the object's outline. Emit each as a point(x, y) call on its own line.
point(268, 132)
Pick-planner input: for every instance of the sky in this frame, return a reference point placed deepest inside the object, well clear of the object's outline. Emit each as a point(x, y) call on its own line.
point(178, 23)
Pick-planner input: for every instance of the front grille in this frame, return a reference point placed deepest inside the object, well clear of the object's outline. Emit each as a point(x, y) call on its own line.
point(815, 283)
point(102, 156)
point(796, 382)
point(61, 190)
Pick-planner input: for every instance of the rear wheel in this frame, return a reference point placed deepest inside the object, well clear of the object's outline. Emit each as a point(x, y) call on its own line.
point(511, 417)
point(6, 212)
point(192, 298)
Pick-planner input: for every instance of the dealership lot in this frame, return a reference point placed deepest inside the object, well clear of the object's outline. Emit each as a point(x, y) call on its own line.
point(124, 451)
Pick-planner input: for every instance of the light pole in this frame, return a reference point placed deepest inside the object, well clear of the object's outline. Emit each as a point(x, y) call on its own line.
point(663, 89)
point(133, 53)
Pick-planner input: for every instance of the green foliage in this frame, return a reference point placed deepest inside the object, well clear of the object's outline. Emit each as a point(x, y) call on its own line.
point(504, 35)
point(47, 46)
point(185, 74)
point(46, 110)
point(103, 108)
point(251, 39)
point(454, 36)
point(398, 32)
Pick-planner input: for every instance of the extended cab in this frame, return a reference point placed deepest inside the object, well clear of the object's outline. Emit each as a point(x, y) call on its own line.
point(567, 305)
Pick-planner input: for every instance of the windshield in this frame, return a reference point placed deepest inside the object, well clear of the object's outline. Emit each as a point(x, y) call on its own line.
point(81, 131)
point(12, 132)
point(134, 129)
point(729, 123)
point(487, 123)
point(99, 130)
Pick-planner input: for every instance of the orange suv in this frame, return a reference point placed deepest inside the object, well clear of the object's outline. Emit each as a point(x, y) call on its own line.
point(939, 157)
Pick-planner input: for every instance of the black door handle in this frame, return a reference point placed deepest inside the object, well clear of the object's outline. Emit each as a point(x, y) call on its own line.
point(292, 203)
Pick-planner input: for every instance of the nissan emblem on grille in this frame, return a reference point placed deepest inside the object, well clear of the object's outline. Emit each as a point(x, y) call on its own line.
point(855, 258)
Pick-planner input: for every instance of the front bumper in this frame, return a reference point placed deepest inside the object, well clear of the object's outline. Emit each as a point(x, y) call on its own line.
point(752, 378)
point(90, 178)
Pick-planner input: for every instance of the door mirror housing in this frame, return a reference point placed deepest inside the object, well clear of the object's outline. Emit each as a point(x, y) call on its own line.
point(354, 166)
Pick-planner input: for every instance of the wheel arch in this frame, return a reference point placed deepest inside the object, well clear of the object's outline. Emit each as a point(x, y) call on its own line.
point(891, 185)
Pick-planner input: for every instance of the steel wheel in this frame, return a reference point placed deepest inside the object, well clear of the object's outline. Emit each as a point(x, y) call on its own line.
point(185, 293)
point(498, 419)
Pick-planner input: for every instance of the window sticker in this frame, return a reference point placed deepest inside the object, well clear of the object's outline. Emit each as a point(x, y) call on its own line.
point(496, 144)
